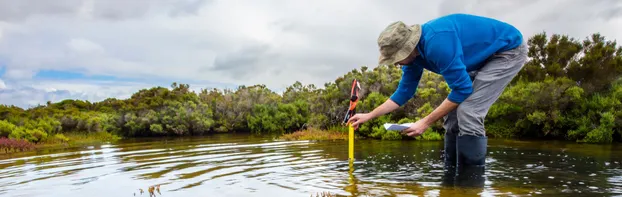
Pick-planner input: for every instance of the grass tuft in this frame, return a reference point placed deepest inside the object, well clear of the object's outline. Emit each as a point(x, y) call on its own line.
point(315, 134)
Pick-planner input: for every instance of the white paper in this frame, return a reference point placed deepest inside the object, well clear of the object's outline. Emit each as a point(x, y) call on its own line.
point(396, 127)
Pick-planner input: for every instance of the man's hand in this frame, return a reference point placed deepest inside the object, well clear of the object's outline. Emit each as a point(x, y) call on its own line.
point(417, 128)
point(358, 119)
point(420, 126)
point(386, 107)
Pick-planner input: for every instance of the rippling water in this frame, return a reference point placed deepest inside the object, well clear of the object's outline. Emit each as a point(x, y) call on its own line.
point(244, 165)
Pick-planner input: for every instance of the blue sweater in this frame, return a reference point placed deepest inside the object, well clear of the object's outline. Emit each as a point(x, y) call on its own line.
point(452, 46)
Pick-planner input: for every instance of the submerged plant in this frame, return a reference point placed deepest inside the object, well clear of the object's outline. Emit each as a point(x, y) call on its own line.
point(151, 189)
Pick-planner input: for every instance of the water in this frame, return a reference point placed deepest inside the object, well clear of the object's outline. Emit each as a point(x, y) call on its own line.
point(243, 165)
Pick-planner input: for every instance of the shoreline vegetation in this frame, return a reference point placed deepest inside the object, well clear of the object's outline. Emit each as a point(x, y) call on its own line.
point(570, 89)
point(315, 134)
point(14, 145)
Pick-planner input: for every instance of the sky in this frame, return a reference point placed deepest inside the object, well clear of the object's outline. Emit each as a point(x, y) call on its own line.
point(97, 49)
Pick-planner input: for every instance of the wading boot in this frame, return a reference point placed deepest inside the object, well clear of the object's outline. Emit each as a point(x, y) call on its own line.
point(470, 176)
point(471, 150)
point(449, 157)
point(471, 157)
point(449, 154)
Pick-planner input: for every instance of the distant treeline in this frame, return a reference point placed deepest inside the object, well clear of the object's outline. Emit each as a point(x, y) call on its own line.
point(570, 89)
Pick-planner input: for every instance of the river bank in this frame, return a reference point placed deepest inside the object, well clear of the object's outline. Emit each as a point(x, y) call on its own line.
point(78, 140)
point(75, 139)
point(9, 146)
point(15, 146)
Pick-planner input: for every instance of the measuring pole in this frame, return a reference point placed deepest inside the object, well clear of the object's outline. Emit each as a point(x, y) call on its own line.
point(351, 143)
point(354, 98)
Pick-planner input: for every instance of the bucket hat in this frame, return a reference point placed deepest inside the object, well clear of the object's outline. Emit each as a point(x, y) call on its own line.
point(397, 41)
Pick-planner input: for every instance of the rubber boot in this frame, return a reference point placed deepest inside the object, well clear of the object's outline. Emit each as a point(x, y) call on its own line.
point(471, 150)
point(449, 156)
point(471, 157)
point(450, 150)
point(470, 176)
point(449, 176)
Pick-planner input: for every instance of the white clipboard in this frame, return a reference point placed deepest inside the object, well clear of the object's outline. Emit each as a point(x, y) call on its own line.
point(396, 127)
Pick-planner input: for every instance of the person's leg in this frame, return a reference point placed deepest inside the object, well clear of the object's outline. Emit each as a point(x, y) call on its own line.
point(488, 84)
point(451, 131)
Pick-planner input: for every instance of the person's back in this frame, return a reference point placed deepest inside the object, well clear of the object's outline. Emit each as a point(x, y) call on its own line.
point(480, 37)
point(452, 46)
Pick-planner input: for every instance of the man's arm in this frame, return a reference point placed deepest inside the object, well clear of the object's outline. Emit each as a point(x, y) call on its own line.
point(411, 74)
point(386, 107)
point(406, 89)
point(442, 110)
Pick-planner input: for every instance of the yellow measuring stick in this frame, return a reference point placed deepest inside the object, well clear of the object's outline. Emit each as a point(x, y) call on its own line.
point(354, 98)
point(351, 142)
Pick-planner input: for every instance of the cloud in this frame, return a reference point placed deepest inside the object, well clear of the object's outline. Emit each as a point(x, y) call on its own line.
point(105, 10)
point(26, 97)
point(31, 93)
point(39, 90)
point(241, 64)
point(19, 73)
point(226, 43)
point(80, 45)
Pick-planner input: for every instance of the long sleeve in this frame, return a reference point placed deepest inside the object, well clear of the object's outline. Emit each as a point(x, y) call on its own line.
point(411, 74)
point(445, 52)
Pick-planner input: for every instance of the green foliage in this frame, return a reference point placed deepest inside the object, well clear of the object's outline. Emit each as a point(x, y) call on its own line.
point(603, 133)
point(32, 135)
point(279, 118)
point(405, 120)
point(374, 127)
point(391, 135)
point(156, 128)
point(61, 137)
point(6, 128)
point(430, 135)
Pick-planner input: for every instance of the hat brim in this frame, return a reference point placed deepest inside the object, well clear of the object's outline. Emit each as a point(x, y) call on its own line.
point(406, 49)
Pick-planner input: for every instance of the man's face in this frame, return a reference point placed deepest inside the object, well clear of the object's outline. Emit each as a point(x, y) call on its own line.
point(409, 59)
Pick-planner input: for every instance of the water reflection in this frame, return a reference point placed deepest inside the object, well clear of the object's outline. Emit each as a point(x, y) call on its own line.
point(242, 165)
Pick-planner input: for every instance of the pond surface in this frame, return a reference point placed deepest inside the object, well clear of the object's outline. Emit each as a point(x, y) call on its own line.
point(244, 165)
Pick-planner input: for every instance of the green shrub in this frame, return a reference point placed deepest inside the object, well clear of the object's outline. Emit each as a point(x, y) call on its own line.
point(61, 137)
point(430, 135)
point(6, 128)
point(604, 132)
point(391, 135)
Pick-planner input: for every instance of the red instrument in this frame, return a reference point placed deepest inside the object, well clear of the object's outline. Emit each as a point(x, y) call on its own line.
point(354, 98)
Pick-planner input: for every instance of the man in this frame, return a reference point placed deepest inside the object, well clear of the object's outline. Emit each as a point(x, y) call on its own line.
point(477, 56)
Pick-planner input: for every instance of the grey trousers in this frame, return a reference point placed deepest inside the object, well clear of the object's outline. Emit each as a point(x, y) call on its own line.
point(488, 84)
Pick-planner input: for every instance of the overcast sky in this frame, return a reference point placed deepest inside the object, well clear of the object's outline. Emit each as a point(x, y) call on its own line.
point(94, 49)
